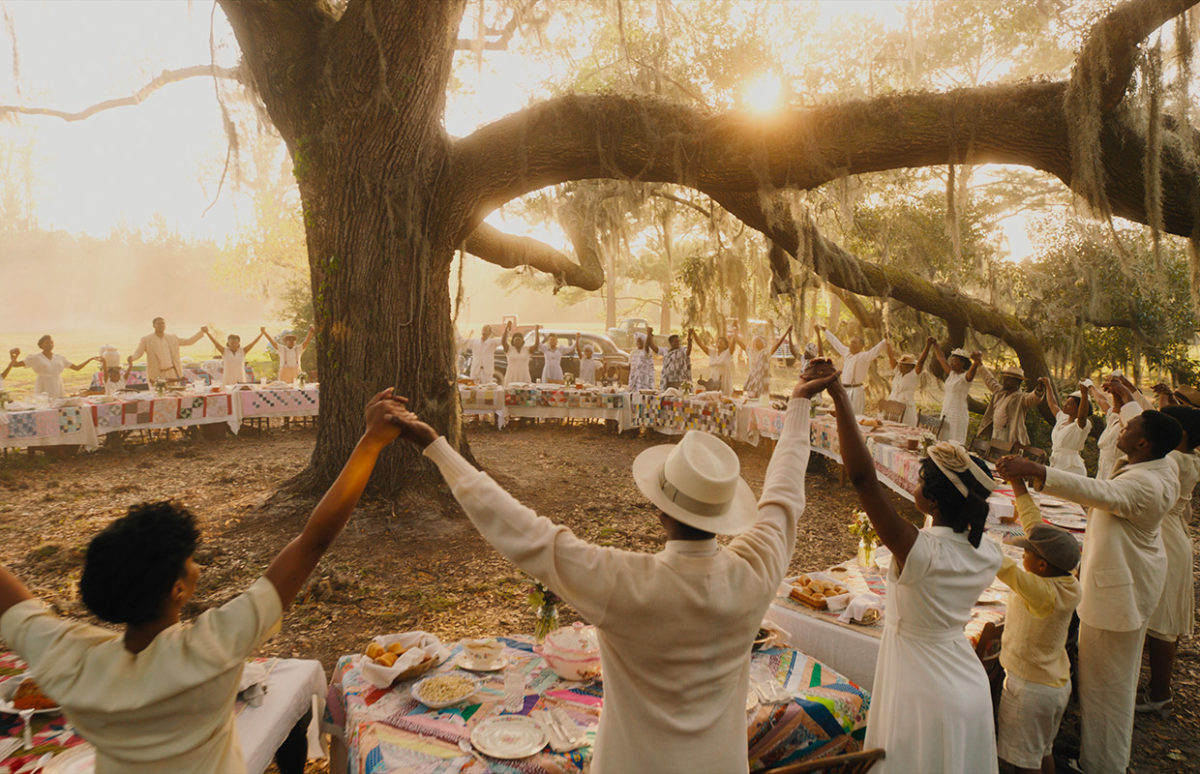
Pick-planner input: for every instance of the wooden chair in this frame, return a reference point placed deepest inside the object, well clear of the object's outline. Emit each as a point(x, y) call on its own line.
point(892, 410)
point(1035, 454)
point(988, 650)
point(847, 763)
point(980, 447)
point(998, 449)
point(931, 423)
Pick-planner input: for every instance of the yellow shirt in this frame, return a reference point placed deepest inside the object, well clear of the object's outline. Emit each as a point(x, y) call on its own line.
point(168, 708)
point(1039, 612)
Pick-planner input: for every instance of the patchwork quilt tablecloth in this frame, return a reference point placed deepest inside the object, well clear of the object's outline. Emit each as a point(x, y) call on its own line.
point(676, 415)
point(283, 402)
point(387, 730)
point(62, 426)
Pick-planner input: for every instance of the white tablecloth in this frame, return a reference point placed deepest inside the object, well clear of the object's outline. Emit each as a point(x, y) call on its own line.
point(294, 686)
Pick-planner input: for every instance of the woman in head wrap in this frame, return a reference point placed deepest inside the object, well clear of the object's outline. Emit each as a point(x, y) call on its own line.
point(931, 705)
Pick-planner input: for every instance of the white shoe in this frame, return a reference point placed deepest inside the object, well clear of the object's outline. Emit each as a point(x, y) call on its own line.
point(1144, 704)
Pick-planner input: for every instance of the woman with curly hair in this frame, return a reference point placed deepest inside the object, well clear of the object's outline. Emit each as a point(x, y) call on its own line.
point(931, 706)
point(158, 696)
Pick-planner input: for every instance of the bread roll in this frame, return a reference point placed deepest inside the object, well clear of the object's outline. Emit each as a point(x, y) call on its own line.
point(375, 650)
point(387, 659)
point(396, 648)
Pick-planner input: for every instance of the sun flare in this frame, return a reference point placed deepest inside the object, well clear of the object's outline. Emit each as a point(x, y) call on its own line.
point(764, 94)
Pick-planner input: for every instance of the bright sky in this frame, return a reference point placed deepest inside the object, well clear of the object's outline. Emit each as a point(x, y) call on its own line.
point(164, 156)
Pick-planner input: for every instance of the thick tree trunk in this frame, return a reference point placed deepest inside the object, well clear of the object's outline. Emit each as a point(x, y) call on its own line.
point(380, 274)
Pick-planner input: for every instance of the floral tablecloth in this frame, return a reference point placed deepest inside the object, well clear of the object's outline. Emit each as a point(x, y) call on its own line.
point(387, 730)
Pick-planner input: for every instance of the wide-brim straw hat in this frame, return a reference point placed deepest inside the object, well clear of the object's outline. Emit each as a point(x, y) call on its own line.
point(960, 352)
point(1014, 371)
point(908, 359)
point(698, 483)
point(1189, 395)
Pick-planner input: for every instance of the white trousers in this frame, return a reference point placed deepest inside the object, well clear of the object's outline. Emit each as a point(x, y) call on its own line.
point(858, 399)
point(1109, 664)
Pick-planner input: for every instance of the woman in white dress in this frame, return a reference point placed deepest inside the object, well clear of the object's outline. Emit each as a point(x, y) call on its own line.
point(48, 367)
point(759, 380)
point(1107, 442)
point(1071, 428)
point(931, 706)
point(233, 356)
point(720, 363)
point(517, 354)
point(641, 362)
point(906, 380)
point(552, 371)
point(1176, 612)
point(960, 372)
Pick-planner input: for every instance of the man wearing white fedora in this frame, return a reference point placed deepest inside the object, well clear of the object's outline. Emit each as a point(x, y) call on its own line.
point(675, 627)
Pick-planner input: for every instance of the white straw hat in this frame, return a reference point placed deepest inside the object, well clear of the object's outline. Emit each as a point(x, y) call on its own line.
point(960, 352)
point(697, 482)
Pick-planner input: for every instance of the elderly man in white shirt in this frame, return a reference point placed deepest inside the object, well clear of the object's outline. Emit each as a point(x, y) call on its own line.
point(856, 364)
point(674, 701)
point(289, 353)
point(483, 354)
point(1122, 574)
point(162, 352)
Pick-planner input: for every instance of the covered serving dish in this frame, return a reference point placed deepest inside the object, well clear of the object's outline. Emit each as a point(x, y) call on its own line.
point(573, 652)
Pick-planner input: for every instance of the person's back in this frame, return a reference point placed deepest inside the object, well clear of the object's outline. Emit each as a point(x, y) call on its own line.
point(675, 645)
point(676, 627)
point(169, 706)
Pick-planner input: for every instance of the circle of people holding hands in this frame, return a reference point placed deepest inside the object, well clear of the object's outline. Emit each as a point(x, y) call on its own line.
point(681, 708)
point(163, 361)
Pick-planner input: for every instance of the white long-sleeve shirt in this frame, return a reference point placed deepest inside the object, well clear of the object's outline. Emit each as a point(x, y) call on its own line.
point(675, 627)
point(854, 367)
point(1124, 564)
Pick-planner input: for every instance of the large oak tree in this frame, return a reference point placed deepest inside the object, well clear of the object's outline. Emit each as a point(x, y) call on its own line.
point(357, 91)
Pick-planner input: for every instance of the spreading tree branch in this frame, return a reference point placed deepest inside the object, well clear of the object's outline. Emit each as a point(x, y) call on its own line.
point(1109, 53)
point(637, 138)
point(503, 35)
point(510, 251)
point(139, 96)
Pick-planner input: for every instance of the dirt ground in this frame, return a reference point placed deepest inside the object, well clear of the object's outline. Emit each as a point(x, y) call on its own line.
point(417, 565)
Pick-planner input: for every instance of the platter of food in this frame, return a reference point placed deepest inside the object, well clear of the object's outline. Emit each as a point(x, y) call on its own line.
point(441, 691)
point(22, 694)
point(815, 592)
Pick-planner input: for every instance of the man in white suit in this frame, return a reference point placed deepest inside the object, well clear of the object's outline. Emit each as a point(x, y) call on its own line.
point(1122, 575)
point(162, 352)
point(674, 627)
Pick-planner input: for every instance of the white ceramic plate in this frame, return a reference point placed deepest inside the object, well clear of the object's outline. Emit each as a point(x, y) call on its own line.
point(471, 664)
point(416, 692)
point(77, 760)
point(1065, 520)
point(8, 688)
point(508, 737)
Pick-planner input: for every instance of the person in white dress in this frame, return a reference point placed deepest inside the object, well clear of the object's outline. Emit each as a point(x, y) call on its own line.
point(758, 382)
point(552, 354)
point(483, 353)
point(290, 353)
point(677, 701)
point(1107, 442)
point(233, 357)
point(856, 365)
point(906, 380)
point(1175, 615)
point(588, 363)
point(49, 368)
point(931, 705)
point(960, 369)
point(517, 354)
point(720, 363)
point(1072, 425)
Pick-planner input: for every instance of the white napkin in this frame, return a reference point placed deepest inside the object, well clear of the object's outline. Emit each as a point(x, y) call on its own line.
point(420, 645)
point(252, 688)
point(860, 605)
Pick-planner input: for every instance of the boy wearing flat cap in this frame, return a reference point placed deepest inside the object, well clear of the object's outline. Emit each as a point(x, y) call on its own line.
point(1033, 650)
